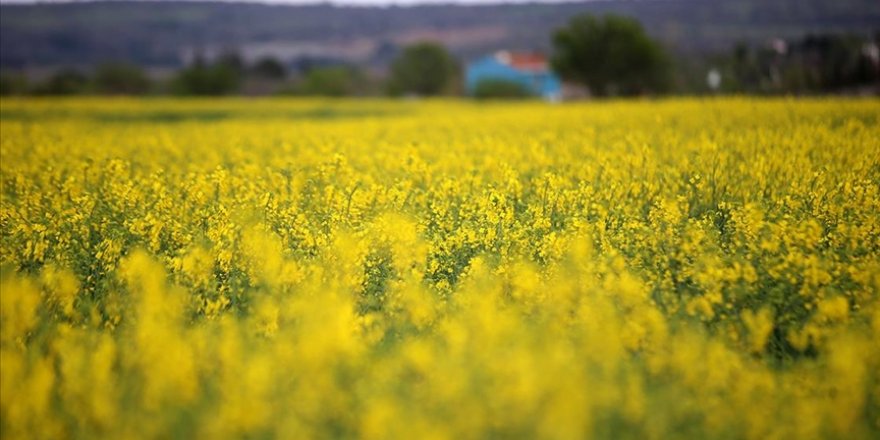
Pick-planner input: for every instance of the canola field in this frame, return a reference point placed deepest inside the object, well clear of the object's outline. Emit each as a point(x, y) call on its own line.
point(430, 270)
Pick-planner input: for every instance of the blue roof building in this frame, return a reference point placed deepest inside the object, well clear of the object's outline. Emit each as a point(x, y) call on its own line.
point(529, 70)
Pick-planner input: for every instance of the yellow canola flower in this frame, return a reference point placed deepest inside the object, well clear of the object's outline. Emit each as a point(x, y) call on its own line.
point(759, 325)
point(19, 304)
point(681, 268)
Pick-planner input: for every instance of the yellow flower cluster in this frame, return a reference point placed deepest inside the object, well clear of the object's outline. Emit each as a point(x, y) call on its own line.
point(370, 269)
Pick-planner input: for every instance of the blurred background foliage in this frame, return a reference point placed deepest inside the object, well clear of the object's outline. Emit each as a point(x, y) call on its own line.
point(688, 47)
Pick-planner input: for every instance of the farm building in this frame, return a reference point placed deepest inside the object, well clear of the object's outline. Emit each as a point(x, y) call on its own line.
point(529, 70)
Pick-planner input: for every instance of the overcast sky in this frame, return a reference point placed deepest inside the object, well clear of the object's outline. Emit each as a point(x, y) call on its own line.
point(338, 2)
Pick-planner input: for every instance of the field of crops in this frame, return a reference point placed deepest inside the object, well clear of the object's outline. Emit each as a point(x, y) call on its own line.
point(412, 270)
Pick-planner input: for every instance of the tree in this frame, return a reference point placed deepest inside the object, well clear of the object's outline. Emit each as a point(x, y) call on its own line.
point(611, 55)
point(269, 68)
point(13, 84)
point(64, 82)
point(500, 89)
point(331, 81)
point(200, 78)
point(121, 79)
point(232, 60)
point(425, 69)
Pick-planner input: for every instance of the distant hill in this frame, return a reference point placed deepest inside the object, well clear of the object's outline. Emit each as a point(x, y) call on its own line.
point(167, 34)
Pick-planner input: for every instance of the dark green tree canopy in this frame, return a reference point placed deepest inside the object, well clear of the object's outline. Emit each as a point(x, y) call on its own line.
point(121, 79)
point(13, 84)
point(500, 89)
point(65, 82)
point(425, 69)
point(200, 78)
point(332, 81)
point(611, 55)
point(269, 68)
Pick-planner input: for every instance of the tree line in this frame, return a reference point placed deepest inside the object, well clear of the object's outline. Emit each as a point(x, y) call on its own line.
point(608, 55)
